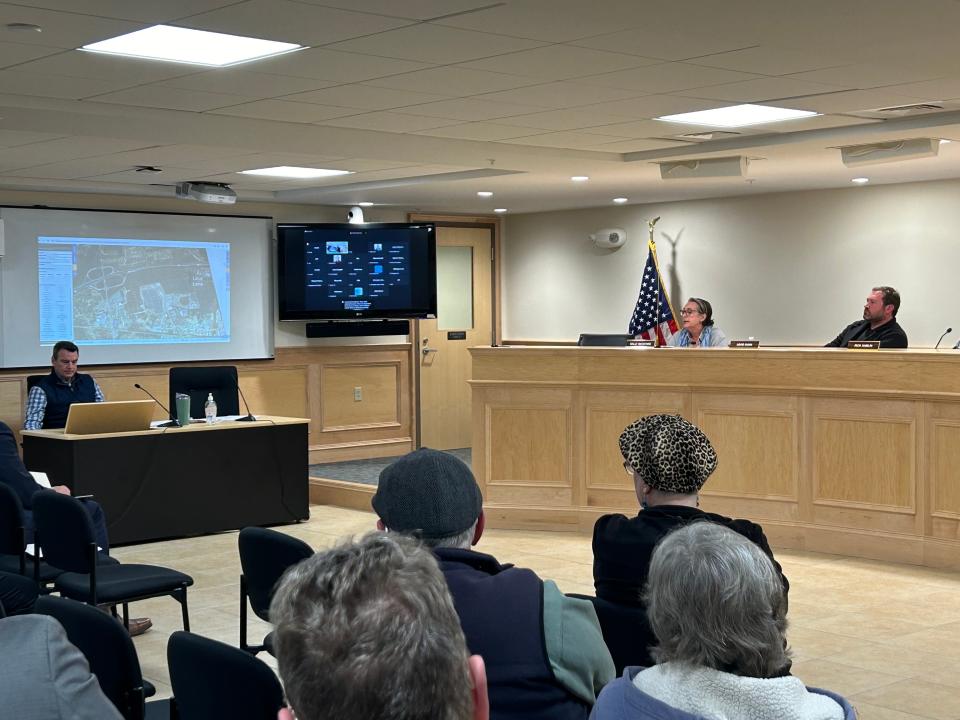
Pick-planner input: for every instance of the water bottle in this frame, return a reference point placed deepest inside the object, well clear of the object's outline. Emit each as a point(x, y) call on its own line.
point(210, 408)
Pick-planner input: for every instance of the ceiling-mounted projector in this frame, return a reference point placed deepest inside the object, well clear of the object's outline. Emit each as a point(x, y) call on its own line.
point(721, 167)
point(218, 193)
point(893, 151)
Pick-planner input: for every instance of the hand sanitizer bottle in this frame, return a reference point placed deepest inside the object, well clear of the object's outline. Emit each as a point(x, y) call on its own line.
point(210, 408)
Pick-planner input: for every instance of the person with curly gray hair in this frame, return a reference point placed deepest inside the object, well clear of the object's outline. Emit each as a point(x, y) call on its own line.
point(669, 460)
point(367, 630)
point(717, 607)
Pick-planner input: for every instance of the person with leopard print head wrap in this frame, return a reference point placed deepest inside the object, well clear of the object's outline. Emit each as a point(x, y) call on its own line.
point(669, 460)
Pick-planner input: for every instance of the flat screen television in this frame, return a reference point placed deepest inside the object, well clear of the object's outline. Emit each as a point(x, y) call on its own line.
point(348, 271)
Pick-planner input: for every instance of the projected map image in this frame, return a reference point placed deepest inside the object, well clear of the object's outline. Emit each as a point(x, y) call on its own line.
point(99, 291)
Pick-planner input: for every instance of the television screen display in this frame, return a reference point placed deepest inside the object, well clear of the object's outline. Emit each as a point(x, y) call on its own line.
point(348, 271)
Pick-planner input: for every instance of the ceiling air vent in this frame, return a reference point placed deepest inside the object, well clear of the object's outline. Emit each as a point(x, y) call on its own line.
point(898, 110)
point(708, 135)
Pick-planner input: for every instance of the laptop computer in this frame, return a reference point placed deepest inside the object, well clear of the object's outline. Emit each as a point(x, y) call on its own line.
point(109, 417)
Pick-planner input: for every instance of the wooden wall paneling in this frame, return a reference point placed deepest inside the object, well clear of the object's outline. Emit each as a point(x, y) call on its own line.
point(276, 391)
point(379, 389)
point(13, 394)
point(529, 446)
point(117, 384)
point(943, 435)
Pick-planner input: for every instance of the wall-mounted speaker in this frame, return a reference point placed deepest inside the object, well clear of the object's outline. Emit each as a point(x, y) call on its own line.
point(893, 151)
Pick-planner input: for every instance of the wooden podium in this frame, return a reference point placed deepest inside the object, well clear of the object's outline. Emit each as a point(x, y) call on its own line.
point(177, 482)
point(838, 451)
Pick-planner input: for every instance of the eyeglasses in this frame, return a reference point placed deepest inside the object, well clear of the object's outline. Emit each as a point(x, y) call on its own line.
point(629, 469)
point(690, 312)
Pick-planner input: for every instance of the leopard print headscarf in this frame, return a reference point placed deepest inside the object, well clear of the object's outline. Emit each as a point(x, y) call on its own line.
point(668, 453)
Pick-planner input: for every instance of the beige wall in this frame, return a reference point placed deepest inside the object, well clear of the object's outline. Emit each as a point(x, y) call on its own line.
point(788, 268)
point(286, 334)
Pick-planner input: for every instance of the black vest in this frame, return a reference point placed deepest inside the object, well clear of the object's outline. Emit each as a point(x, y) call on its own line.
point(61, 396)
point(501, 613)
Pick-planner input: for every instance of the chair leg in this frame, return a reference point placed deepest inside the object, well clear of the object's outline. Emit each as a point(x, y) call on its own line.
point(126, 617)
point(243, 614)
point(181, 597)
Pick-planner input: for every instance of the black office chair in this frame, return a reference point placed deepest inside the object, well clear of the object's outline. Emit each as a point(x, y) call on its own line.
point(109, 651)
point(599, 340)
point(626, 632)
point(264, 556)
point(13, 534)
point(33, 380)
point(64, 531)
point(198, 382)
point(211, 679)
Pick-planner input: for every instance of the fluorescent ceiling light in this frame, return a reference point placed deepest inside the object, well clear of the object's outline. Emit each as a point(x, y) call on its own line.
point(860, 180)
point(738, 116)
point(620, 201)
point(183, 45)
point(366, 203)
point(944, 141)
point(580, 178)
point(288, 171)
point(485, 193)
point(499, 210)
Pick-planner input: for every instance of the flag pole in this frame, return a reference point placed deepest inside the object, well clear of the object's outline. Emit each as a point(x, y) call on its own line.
point(653, 249)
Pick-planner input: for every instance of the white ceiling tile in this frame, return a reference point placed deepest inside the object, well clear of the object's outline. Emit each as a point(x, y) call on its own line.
point(55, 86)
point(818, 122)
point(171, 98)
point(365, 97)
point(61, 149)
point(365, 165)
point(13, 138)
point(479, 131)
point(148, 12)
point(638, 129)
point(387, 121)
point(130, 71)
point(851, 101)
point(455, 81)
point(776, 60)
point(667, 77)
point(573, 140)
point(435, 44)
point(574, 119)
point(638, 145)
point(559, 95)
point(412, 9)
point(12, 53)
point(553, 20)
point(341, 67)
point(66, 30)
point(177, 154)
point(470, 109)
point(651, 106)
point(864, 76)
point(169, 176)
point(294, 22)
point(940, 89)
point(72, 169)
point(761, 90)
point(286, 111)
point(560, 62)
point(239, 81)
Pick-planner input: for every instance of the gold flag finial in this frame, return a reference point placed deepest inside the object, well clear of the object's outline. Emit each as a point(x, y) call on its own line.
point(650, 224)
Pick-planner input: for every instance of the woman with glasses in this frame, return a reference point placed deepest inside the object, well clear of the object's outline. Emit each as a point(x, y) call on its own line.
point(698, 328)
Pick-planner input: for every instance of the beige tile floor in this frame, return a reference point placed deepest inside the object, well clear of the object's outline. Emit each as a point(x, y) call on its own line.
point(885, 636)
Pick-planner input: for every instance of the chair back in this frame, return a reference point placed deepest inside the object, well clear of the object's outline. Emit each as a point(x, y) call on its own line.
point(11, 522)
point(34, 380)
point(198, 382)
point(603, 340)
point(212, 679)
point(65, 532)
point(626, 632)
point(265, 556)
point(108, 648)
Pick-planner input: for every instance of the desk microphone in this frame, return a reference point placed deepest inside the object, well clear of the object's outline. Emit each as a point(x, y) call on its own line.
point(173, 422)
point(249, 416)
point(948, 331)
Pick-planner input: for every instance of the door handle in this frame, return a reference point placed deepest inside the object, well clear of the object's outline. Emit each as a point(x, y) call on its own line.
point(427, 350)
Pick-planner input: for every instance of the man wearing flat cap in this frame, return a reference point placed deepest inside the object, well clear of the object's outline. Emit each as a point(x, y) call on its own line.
point(669, 460)
point(544, 653)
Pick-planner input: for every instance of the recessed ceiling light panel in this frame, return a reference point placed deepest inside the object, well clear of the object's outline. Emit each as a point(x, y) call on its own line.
point(365, 203)
point(197, 47)
point(485, 193)
point(289, 171)
point(738, 116)
point(579, 178)
point(620, 200)
point(860, 180)
point(499, 210)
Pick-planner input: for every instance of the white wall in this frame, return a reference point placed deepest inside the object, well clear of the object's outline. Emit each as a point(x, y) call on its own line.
point(286, 334)
point(788, 268)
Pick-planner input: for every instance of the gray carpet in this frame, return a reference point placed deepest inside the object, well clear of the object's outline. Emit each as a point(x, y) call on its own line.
point(366, 471)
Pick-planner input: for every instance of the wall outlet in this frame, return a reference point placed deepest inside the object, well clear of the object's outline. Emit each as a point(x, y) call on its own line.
point(357, 394)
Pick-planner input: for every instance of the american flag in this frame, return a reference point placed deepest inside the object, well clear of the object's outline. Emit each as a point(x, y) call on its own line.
point(646, 322)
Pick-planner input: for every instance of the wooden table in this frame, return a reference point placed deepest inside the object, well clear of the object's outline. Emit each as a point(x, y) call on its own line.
point(186, 481)
point(849, 452)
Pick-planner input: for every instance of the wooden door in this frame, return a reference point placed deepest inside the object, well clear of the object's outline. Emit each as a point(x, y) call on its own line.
point(464, 319)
